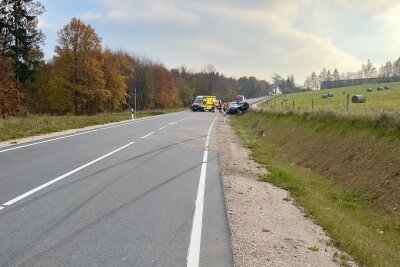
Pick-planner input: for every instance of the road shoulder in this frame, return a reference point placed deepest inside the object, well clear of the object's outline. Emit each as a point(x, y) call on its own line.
point(266, 228)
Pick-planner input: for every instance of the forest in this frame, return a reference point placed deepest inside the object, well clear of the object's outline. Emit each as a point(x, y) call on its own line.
point(86, 77)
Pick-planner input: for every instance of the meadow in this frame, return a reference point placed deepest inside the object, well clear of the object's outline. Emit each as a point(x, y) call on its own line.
point(377, 102)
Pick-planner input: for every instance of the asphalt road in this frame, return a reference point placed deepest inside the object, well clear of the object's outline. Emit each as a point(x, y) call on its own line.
point(146, 193)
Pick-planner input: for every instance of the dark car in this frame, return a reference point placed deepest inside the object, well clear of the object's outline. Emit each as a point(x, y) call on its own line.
point(234, 108)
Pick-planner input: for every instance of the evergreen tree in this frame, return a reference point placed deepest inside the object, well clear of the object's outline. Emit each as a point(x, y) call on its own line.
point(20, 37)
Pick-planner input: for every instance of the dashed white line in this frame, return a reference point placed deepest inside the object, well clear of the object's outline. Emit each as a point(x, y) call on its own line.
point(162, 127)
point(81, 133)
point(1, 208)
point(147, 135)
point(175, 122)
point(181, 119)
point(193, 256)
point(12, 201)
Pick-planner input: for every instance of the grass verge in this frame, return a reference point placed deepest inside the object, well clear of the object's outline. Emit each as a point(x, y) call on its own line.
point(31, 125)
point(356, 224)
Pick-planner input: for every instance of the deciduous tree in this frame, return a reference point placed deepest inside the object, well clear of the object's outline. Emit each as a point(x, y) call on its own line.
point(79, 63)
point(10, 96)
point(369, 70)
point(115, 81)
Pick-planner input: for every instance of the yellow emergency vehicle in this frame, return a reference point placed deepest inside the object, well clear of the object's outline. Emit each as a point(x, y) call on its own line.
point(203, 103)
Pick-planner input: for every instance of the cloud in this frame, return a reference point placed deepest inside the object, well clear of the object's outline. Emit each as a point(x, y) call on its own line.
point(45, 25)
point(390, 17)
point(289, 49)
point(208, 46)
point(90, 15)
point(258, 37)
point(151, 10)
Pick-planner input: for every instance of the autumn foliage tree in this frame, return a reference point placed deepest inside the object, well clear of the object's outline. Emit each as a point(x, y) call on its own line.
point(10, 96)
point(37, 91)
point(166, 89)
point(20, 51)
point(78, 69)
point(115, 80)
point(84, 78)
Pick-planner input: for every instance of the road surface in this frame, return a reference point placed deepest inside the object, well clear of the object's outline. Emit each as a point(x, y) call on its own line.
point(144, 193)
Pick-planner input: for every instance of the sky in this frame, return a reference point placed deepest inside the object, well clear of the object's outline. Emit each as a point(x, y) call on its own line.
point(239, 37)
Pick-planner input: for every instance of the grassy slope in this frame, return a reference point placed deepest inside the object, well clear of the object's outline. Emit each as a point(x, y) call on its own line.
point(326, 167)
point(376, 101)
point(19, 127)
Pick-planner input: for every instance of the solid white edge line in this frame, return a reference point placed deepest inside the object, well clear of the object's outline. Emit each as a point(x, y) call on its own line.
point(12, 201)
point(147, 135)
point(193, 257)
point(205, 156)
point(162, 127)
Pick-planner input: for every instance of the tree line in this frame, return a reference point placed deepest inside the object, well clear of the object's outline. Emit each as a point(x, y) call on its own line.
point(85, 77)
point(389, 72)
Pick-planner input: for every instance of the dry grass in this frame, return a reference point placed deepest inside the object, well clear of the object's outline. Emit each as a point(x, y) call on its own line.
point(31, 125)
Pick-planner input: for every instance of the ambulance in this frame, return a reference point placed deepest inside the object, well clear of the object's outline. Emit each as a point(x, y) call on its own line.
point(204, 103)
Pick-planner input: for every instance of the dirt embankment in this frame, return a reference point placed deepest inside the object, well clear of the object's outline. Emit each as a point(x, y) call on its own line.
point(358, 159)
point(267, 229)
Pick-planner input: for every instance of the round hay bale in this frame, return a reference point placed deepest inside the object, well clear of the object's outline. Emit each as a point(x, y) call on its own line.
point(330, 95)
point(387, 87)
point(358, 99)
point(369, 90)
point(379, 88)
point(324, 96)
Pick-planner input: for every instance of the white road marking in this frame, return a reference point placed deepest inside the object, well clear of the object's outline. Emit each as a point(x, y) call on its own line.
point(205, 156)
point(175, 122)
point(162, 127)
point(81, 133)
point(193, 256)
point(12, 201)
point(1, 208)
point(181, 119)
point(147, 135)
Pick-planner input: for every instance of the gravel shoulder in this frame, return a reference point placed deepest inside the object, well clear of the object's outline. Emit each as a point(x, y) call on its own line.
point(267, 228)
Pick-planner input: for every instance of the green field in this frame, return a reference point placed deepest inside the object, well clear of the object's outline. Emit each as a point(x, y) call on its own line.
point(376, 101)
